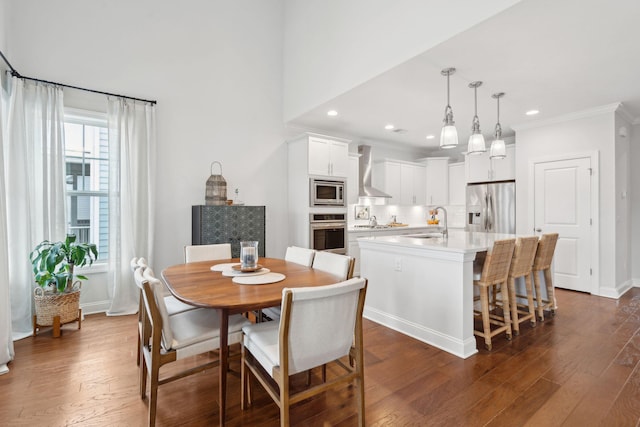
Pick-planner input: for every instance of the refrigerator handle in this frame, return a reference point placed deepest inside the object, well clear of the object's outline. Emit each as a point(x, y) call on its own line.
point(490, 211)
point(485, 212)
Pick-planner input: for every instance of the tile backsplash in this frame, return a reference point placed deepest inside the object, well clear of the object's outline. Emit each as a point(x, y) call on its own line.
point(413, 215)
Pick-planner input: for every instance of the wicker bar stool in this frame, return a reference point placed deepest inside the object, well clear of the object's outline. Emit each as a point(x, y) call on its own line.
point(542, 262)
point(521, 264)
point(495, 274)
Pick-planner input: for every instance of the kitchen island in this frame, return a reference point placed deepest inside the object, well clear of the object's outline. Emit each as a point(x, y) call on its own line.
point(423, 286)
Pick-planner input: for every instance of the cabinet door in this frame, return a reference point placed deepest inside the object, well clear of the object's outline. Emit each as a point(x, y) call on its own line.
point(504, 169)
point(386, 177)
point(339, 159)
point(420, 185)
point(353, 180)
point(457, 184)
point(406, 185)
point(319, 157)
point(478, 167)
point(437, 182)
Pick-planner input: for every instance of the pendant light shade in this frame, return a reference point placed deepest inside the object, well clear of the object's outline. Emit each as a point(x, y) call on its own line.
point(476, 140)
point(498, 150)
point(449, 134)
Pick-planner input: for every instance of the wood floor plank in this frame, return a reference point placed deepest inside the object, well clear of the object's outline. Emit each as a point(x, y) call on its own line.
point(578, 368)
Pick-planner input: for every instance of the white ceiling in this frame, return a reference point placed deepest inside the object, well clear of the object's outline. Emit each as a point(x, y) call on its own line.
point(558, 57)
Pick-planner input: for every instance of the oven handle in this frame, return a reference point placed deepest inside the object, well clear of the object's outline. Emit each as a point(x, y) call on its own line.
point(320, 225)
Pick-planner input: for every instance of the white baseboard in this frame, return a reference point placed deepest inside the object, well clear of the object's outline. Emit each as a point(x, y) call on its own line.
point(618, 291)
point(95, 307)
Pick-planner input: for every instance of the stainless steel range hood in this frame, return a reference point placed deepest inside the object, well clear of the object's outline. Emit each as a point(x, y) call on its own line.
point(366, 164)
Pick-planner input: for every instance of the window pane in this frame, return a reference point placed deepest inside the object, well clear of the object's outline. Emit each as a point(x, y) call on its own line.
point(87, 170)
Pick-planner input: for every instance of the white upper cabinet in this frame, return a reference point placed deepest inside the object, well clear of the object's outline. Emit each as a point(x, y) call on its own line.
point(403, 181)
point(328, 157)
point(437, 182)
point(480, 168)
point(457, 184)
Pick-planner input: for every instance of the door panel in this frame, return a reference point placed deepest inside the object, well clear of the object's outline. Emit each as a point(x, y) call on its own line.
point(562, 201)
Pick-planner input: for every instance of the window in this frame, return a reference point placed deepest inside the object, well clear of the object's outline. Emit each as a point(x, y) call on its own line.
point(87, 178)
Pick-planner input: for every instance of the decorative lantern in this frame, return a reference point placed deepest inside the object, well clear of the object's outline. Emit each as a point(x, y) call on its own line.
point(216, 193)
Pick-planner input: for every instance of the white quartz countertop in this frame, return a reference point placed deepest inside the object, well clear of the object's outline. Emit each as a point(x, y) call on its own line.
point(458, 241)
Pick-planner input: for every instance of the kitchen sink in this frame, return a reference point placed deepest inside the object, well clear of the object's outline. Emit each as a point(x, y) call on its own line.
point(425, 236)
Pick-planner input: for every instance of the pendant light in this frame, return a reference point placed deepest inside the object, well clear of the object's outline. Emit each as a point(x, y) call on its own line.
point(498, 150)
point(449, 134)
point(476, 140)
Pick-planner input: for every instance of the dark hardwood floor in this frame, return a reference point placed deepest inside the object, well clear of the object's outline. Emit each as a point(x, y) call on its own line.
point(580, 368)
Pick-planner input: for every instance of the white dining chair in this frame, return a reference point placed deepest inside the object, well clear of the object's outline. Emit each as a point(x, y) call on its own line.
point(302, 256)
point(195, 253)
point(133, 264)
point(339, 265)
point(168, 338)
point(318, 326)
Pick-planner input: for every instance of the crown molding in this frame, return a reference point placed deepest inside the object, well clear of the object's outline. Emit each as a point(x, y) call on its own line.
point(596, 111)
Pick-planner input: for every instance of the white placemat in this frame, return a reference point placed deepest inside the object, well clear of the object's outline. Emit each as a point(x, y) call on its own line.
point(259, 280)
point(224, 266)
point(236, 273)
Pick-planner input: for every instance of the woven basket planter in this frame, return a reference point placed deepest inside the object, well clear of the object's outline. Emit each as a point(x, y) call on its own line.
point(48, 306)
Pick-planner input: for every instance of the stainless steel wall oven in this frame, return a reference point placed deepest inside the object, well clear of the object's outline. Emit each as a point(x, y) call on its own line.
point(328, 232)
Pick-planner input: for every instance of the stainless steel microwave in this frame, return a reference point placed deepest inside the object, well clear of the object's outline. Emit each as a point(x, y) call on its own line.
point(324, 192)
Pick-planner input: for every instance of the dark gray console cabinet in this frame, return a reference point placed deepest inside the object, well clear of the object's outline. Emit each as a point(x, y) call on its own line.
point(228, 224)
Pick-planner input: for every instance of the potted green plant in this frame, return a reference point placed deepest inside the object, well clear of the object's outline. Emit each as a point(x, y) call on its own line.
point(57, 297)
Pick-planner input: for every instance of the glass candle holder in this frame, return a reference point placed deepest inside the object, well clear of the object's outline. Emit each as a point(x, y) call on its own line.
point(249, 254)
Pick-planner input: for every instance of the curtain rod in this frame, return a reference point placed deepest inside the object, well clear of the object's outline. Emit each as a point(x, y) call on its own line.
point(15, 73)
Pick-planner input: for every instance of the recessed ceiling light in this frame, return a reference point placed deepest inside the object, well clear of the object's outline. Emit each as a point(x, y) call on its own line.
point(532, 112)
point(332, 113)
point(430, 136)
point(389, 126)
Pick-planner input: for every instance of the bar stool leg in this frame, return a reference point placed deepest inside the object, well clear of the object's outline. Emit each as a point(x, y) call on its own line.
point(551, 294)
point(532, 308)
point(536, 285)
point(486, 324)
point(514, 305)
point(506, 309)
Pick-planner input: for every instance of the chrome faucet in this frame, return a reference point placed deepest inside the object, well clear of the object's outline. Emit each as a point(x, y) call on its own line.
point(445, 232)
point(373, 221)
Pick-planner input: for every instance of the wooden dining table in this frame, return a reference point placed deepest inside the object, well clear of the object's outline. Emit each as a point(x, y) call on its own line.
point(196, 284)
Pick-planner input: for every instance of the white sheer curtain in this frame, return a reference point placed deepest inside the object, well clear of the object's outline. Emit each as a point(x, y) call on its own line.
point(6, 341)
point(34, 187)
point(132, 140)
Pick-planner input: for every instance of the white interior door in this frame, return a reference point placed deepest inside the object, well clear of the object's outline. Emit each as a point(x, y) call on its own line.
point(562, 200)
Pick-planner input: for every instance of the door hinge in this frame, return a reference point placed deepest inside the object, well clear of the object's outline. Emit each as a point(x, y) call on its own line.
point(590, 221)
point(590, 272)
point(590, 171)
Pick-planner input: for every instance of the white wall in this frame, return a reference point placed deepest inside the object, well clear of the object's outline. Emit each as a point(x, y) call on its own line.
point(331, 46)
point(621, 131)
point(635, 203)
point(215, 68)
point(583, 133)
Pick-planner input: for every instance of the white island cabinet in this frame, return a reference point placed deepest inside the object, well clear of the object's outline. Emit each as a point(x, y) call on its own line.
point(423, 287)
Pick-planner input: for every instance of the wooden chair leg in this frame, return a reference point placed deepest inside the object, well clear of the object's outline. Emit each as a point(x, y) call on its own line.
point(79, 318)
point(284, 403)
point(35, 325)
point(143, 376)
point(153, 400)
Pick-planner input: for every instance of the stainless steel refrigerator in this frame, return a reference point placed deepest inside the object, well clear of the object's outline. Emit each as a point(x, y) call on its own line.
point(491, 207)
